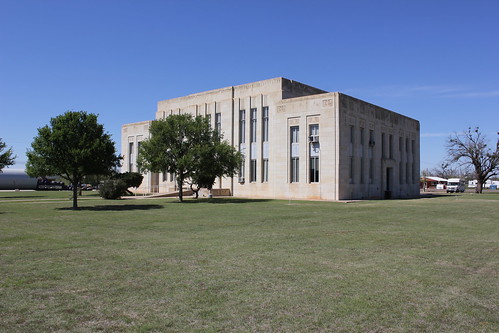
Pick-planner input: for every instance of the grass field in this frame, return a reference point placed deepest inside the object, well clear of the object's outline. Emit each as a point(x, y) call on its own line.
point(235, 265)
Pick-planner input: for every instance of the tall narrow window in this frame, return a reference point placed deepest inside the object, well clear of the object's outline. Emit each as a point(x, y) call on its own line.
point(362, 159)
point(295, 153)
point(390, 146)
point(138, 152)
point(371, 153)
point(351, 153)
point(407, 173)
point(130, 156)
point(383, 144)
point(218, 122)
point(314, 153)
point(253, 120)
point(351, 147)
point(265, 144)
point(242, 126)
point(401, 162)
point(242, 143)
point(265, 124)
point(413, 164)
point(265, 170)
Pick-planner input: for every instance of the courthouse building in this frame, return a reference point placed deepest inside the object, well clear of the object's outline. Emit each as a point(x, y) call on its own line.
point(298, 142)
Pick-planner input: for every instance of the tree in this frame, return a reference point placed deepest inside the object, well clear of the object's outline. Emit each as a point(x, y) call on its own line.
point(445, 170)
point(470, 149)
point(189, 148)
point(216, 159)
point(73, 146)
point(131, 179)
point(113, 189)
point(7, 157)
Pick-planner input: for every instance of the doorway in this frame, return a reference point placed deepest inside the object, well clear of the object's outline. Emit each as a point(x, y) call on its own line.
point(388, 183)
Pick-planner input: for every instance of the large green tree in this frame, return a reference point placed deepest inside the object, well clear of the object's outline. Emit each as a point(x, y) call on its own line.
point(73, 146)
point(470, 149)
point(188, 147)
point(216, 159)
point(6, 157)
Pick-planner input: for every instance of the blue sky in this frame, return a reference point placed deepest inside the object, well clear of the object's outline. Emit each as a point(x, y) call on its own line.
point(435, 61)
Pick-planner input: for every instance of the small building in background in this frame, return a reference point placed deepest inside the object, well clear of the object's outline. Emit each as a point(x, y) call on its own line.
point(434, 183)
point(17, 179)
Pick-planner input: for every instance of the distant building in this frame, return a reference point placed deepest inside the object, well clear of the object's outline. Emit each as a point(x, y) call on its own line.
point(433, 182)
point(489, 184)
point(299, 142)
point(15, 179)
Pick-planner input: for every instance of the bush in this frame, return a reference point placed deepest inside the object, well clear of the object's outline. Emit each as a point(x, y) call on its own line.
point(113, 189)
point(132, 179)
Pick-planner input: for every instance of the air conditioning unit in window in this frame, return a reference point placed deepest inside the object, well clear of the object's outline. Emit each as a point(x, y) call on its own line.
point(313, 138)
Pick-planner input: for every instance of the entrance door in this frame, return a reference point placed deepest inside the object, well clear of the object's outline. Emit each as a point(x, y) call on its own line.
point(388, 183)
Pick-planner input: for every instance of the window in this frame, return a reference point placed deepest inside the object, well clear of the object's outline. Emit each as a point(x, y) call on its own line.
point(390, 146)
point(351, 162)
point(253, 123)
point(265, 124)
point(362, 177)
point(265, 170)
point(314, 169)
point(138, 152)
point(413, 151)
point(242, 126)
point(295, 153)
point(401, 162)
point(314, 153)
point(218, 122)
point(242, 143)
point(351, 141)
point(383, 144)
point(252, 170)
point(265, 144)
point(242, 170)
point(407, 173)
point(371, 152)
point(130, 156)
point(253, 126)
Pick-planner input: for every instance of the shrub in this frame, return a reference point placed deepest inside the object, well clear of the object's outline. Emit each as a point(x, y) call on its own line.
point(113, 189)
point(132, 179)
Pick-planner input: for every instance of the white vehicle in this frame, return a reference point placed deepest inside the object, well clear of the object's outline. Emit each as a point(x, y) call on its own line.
point(455, 185)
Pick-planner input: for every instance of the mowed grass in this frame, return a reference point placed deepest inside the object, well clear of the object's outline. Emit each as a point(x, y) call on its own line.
point(236, 265)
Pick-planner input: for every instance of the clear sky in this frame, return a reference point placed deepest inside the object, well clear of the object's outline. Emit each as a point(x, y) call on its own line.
point(434, 60)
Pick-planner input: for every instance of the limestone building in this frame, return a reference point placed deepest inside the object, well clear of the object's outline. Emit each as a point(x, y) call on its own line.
point(299, 142)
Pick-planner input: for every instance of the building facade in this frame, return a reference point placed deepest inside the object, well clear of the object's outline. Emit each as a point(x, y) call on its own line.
point(299, 142)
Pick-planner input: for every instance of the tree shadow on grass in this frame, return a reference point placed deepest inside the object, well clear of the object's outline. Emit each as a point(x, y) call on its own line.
point(436, 195)
point(222, 200)
point(21, 196)
point(114, 208)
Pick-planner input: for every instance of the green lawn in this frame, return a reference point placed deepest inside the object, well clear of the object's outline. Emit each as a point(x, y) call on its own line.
point(234, 265)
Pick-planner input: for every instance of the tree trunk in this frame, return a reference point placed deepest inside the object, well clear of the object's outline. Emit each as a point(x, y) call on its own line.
point(180, 180)
point(479, 186)
point(75, 195)
point(196, 192)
